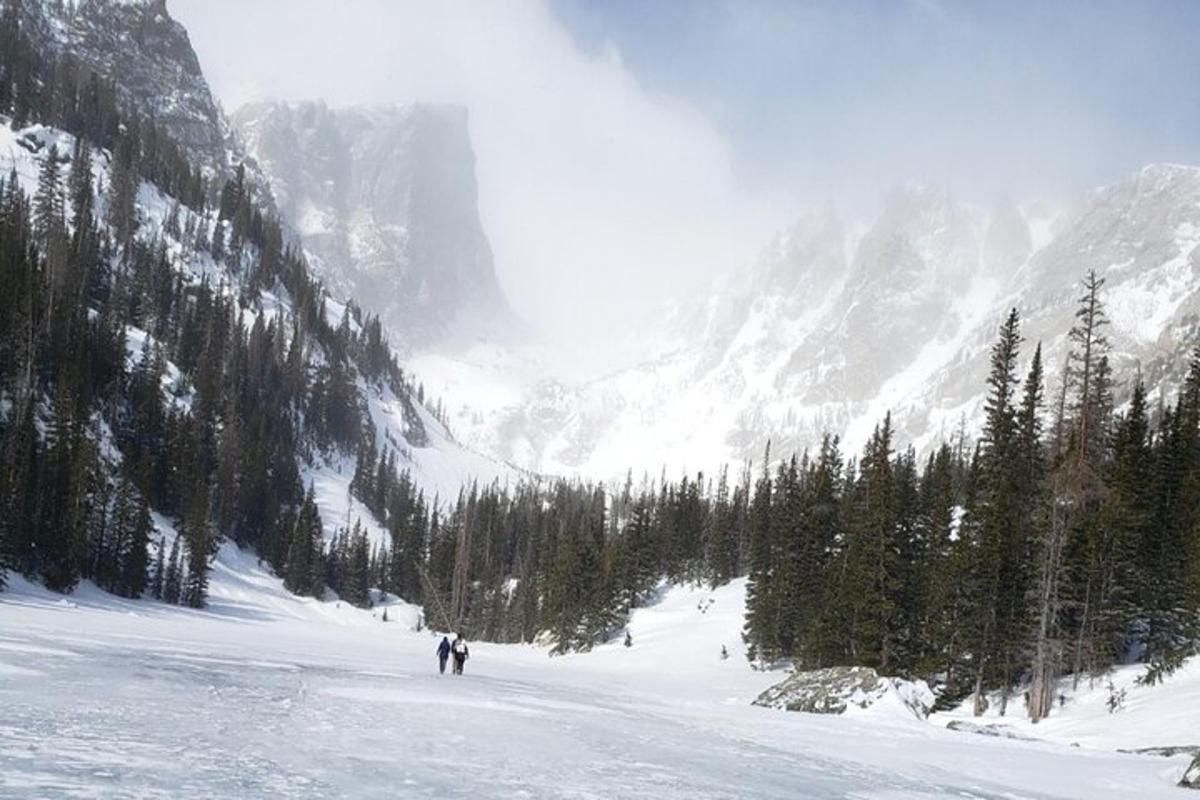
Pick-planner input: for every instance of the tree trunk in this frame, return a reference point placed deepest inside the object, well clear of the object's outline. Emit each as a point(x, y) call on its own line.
point(1082, 638)
point(1041, 692)
point(462, 571)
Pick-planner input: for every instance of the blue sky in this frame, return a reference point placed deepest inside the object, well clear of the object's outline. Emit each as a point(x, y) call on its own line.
point(1016, 96)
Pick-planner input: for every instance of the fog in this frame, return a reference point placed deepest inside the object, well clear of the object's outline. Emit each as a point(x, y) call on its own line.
point(628, 152)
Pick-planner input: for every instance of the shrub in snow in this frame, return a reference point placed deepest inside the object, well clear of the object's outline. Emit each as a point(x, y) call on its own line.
point(835, 689)
point(1116, 698)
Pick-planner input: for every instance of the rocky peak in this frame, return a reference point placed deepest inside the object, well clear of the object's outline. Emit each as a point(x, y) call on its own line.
point(386, 204)
point(1133, 230)
point(806, 258)
point(147, 53)
point(1007, 242)
point(925, 232)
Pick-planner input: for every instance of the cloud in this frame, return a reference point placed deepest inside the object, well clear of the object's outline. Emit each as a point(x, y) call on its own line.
point(599, 196)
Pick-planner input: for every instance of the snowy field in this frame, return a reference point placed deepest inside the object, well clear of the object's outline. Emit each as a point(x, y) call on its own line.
point(267, 695)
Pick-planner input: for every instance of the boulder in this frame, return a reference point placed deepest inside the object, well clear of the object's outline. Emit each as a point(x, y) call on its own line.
point(1191, 778)
point(836, 689)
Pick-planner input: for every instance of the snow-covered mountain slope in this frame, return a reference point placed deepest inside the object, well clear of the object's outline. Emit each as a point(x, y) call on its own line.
point(438, 464)
point(269, 695)
point(384, 201)
point(147, 56)
point(836, 325)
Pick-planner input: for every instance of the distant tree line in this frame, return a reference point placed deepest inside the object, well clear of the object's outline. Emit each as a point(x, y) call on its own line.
point(1066, 540)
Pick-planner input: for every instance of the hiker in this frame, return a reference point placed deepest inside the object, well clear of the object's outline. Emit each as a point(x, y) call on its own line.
point(443, 652)
point(461, 654)
point(628, 639)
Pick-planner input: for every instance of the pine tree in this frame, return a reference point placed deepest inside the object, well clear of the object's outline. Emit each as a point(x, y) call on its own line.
point(997, 521)
point(720, 537)
point(1087, 466)
point(864, 598)
point(122, 191)
point(1076, 494)
point(48, 203)
point(158, 578)
point(304, 568)
point(759, 629)
point(172, 584)
point(1170, 555)
point(1126, 585)
point(909, 637)
point(136, 529)
point(79, 184)
point(940, 580)
point(355, 589)
point(59, 535)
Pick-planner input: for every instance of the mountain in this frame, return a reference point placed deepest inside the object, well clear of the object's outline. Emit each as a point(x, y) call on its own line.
point(837, 324)
point(150, 57)
point(172, 376)
point(385, 203)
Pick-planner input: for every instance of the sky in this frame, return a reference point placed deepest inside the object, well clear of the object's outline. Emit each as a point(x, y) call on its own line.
point(1014, 97)
point(631, 151)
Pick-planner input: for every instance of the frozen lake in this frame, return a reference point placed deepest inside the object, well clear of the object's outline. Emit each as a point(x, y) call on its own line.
point(259, 698)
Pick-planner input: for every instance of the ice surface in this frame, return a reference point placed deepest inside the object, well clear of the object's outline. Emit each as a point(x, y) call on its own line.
point(268, 695)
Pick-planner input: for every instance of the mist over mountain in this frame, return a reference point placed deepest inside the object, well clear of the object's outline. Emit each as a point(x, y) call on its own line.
point(385, 203)
point(837, 325)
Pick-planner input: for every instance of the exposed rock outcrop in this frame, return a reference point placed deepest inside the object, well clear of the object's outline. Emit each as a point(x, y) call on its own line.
point(837, 689)
point(1191, 778)
point(385, 202)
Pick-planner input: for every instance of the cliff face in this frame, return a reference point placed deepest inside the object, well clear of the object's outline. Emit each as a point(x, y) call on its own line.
point(386, 205)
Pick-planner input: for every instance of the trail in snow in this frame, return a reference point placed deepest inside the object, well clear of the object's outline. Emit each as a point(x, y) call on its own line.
point(266, 695)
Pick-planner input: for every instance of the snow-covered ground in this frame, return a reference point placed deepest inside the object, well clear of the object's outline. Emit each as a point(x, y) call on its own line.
point(268, 695)
point(1163, 716)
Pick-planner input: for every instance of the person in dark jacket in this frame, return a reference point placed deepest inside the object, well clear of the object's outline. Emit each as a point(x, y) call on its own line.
point(460, 652)
point(443, 652)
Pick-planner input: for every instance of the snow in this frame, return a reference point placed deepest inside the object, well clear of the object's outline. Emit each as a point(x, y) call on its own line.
point(1149, 301)
point(904, 387)
point(339, 509)
point(1150, 716)
point(758, 359)
point(268, 695)
point(172, 382)
point(312, 221)
point(16, 156)
point(442, 467)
